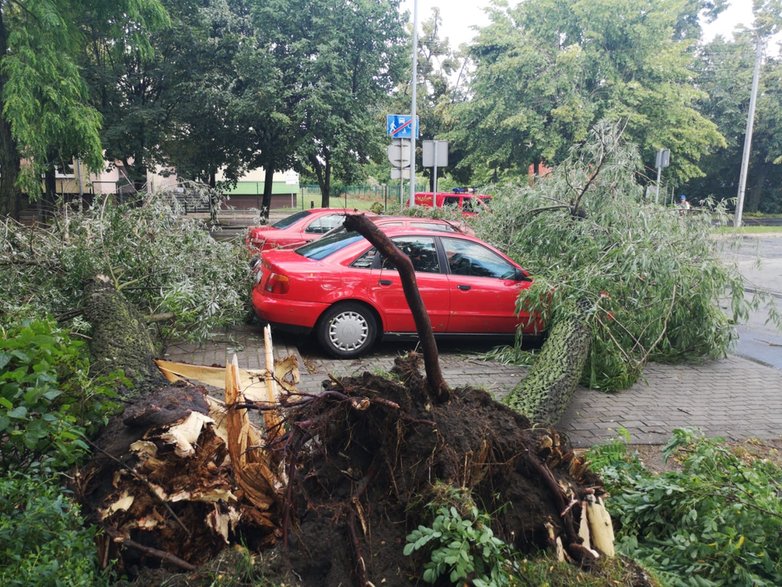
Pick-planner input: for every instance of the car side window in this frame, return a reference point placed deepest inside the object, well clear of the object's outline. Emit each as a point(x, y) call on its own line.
point(471, 205)
point(325, 223)
point(451, 201)
point(367, 260)
point(421, 250)
point(472, 259)
point(440, 227)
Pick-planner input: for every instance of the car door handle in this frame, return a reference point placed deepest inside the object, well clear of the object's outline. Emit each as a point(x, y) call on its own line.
point(385, 282)
point(463, 287)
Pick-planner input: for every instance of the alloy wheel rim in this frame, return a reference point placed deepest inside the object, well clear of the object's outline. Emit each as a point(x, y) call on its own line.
point(348, 331)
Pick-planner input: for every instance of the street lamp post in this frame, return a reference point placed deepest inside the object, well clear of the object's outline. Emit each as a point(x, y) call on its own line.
point(413, 105)
point(748, 135)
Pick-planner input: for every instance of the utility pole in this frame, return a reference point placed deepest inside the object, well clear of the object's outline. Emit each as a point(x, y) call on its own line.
point(412, 108)
point(748, 134)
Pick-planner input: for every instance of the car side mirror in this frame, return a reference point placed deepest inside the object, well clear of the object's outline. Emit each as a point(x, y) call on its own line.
point(521, 276)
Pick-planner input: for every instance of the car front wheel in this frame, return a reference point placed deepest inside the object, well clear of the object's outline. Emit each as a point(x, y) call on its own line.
point(346, 330)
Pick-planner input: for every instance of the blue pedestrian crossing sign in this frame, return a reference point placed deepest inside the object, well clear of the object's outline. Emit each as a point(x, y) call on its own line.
point(400, 126)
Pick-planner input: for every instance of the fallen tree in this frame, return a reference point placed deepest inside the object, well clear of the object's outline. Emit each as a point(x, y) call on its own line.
point(545, 393)
point(340, 478)
point(166, 265)
point(587, 231)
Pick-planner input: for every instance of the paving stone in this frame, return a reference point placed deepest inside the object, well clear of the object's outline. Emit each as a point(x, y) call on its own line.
point(732, 397)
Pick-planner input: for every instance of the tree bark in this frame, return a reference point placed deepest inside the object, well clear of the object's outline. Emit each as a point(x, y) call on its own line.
point(323, 173)
point(120, 336)
point(268, 184)
point(48, 200)
point(438, 388)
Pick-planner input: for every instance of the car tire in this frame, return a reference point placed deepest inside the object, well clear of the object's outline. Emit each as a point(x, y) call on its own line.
point(347, 330)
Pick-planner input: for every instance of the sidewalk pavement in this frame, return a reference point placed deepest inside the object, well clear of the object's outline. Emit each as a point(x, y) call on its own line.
point(733, 397)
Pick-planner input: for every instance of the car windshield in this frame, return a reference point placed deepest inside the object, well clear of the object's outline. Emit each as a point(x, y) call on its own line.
point(289, 220)
point(328, 245)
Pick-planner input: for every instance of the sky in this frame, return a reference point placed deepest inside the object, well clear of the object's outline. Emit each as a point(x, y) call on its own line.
point(459, 17)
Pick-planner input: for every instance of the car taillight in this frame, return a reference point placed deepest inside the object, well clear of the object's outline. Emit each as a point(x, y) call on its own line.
point(277, 283)
point(254, 242)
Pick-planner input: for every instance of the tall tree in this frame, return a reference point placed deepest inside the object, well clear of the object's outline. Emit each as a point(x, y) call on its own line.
point(205, 135)
point(309, 82)
point(270, 85)
point(724, 73)
point(45, 104)
point(133, 88)
point(183, 106)
point(355, 61)
point(546, 72)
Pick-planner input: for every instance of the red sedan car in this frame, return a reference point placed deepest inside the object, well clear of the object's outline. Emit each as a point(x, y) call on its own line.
point(309, 225)
point(297, 229)
point(341, 288)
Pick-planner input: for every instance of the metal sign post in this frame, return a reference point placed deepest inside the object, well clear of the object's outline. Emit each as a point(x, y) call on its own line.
point(434, 154)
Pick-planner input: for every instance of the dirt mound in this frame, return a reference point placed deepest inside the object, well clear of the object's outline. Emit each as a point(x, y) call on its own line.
point(364, 456)
point(361, 461)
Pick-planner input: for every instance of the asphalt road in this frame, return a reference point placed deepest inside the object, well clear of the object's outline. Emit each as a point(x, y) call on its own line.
point(759, 259)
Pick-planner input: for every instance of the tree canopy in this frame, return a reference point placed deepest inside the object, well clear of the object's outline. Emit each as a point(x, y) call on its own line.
point(545, 72)
point(724, 74)
point(45, 103)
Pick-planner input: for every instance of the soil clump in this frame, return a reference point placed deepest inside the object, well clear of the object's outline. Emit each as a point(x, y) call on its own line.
point(362, 460)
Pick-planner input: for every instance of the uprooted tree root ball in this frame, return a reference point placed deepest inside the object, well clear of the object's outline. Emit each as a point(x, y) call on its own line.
point(362, 461)
point(364, 456)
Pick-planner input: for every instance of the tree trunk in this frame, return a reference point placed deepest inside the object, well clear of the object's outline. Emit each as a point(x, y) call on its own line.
point(9, 155)
point(323, 173)
point(545, 394)
point(120, 336)
point(268, 184)
point(48, 201)
point(438, 388)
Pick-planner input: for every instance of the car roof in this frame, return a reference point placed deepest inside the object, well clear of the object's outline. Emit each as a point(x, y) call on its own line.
point(411, 219)
point(338, 211)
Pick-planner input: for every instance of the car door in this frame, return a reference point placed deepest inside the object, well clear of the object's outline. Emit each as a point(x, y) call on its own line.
point(484, 287)
point(389, 297)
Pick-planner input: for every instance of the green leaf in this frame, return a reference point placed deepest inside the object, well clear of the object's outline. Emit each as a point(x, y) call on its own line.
point(18, 413)
point(52, 394)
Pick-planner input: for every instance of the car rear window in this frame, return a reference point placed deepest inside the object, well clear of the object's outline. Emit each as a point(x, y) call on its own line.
point(328, 245)
point(289, 220)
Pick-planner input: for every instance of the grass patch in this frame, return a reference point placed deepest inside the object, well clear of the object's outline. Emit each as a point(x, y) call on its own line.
point(749, 230)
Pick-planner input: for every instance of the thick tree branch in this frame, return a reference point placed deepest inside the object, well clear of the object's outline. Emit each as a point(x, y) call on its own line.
point(434, 376)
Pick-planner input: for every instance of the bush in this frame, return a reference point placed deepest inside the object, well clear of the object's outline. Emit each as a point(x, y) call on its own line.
point(164, 264)
point(715, 522)
point(47, 400)
point(43, 540)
